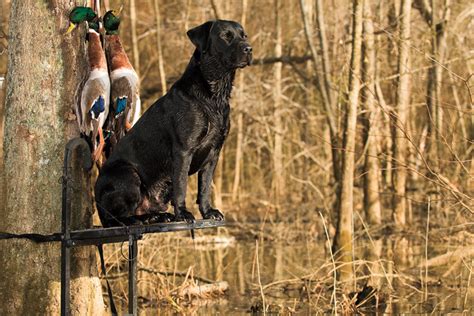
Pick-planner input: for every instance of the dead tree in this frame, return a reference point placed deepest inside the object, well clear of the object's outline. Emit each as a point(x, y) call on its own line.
point(240, 122)
point(323, 82)
point(400, 117)
point(343, 238)
point(161, 66)
point(371, 166)
point(438, 53)
point(133, 32)
point(278, 170)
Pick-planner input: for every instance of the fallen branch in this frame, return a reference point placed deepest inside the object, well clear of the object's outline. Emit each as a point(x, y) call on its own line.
point(164, 273)
point(218, 287)
point(447, 257)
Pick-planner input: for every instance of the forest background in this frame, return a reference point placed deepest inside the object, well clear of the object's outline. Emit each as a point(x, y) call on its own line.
point(354, 117)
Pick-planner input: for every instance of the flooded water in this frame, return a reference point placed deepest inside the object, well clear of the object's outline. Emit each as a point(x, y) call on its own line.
point(293, 277)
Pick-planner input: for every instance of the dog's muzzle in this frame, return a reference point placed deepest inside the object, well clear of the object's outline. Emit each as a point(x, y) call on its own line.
point(247, 50)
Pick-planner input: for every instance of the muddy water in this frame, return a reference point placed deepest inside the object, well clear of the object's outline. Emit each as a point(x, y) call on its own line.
point(297, 277)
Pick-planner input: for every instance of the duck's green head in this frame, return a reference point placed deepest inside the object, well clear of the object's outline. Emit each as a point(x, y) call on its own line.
point(79, 15)
point(111, 22)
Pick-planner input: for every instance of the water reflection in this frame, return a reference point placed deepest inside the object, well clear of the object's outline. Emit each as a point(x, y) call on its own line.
point(295, 277)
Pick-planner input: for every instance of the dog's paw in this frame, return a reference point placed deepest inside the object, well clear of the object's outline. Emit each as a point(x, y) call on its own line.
point(213, 213)
point(161, 218)
point(184, 215)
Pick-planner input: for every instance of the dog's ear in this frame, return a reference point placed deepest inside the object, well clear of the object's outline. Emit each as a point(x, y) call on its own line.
point(199, 35)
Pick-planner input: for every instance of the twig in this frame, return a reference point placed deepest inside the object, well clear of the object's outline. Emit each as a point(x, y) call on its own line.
point(468, 285)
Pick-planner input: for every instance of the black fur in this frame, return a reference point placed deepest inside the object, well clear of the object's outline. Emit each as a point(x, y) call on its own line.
point(180, 134)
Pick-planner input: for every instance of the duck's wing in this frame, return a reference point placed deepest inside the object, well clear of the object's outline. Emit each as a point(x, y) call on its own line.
point(125, 96)
point(94, 104)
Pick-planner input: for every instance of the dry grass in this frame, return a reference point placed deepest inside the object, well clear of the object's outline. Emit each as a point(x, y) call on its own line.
point(173, 271)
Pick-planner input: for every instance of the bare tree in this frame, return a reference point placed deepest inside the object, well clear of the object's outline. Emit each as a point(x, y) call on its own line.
point(161, 66)
point(400, 117)
point(372, 169)
point(343, 238)
point(133, 32)
point(438, 52)
point(330, 94)
point(278, 170)
point(323, 83)
point(240, 121)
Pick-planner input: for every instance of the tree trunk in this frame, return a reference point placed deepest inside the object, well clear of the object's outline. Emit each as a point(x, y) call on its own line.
point(161, 66)
point(3, 70)
point(217, 10)
point(323, 83)
point(240, 122)
point(372, 169)
point(331, 97)
point(400, 117)
point(438, 52)
point(45, 68)
point(133, 31)
point(278, 172)
point(218, 179)
point(343, 238)
point(2, 116)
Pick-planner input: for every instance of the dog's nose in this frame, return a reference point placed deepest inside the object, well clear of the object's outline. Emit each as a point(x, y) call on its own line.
point(248, 49)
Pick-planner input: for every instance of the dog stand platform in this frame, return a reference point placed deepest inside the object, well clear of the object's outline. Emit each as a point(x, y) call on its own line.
point(99, 236)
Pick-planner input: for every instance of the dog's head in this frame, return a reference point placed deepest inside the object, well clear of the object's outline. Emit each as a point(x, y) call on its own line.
point(225, 40)
point(118, 195)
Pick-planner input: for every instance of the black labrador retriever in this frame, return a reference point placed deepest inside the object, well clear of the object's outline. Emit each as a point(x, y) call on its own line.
point(180, 134)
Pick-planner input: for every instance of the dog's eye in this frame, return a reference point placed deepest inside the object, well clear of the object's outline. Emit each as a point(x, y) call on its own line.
point(227, 36)
point(244, 36)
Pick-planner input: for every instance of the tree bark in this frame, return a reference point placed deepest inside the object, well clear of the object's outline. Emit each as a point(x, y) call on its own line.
point(45, 68)
point(3, 83)
point(343, 238)
point(372, 169)
point(2, 116)
point(400, 117)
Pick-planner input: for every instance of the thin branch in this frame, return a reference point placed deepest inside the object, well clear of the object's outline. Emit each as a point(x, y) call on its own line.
point(282, 59)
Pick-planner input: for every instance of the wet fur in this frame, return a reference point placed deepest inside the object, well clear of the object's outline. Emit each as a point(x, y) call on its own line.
point(180, 134)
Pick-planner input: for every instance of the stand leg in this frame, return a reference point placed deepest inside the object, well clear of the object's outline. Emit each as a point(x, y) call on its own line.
point(132, 276)
point(65, 278)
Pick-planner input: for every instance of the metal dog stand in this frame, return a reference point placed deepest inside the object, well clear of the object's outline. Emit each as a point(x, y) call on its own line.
point(98, 236)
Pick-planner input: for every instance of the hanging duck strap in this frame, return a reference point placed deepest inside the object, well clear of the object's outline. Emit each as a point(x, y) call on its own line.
point(78, 151)
point(113, 309)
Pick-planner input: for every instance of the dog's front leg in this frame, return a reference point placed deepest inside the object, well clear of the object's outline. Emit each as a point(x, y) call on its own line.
point(181, 163)
point(204, 187)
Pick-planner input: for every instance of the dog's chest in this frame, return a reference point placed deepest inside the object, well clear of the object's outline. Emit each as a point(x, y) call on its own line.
point(217, 130)
point(212, 142)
